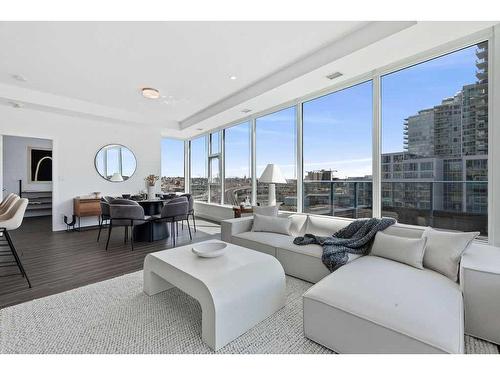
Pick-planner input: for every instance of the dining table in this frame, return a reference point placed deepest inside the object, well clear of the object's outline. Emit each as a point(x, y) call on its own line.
point(152, 230)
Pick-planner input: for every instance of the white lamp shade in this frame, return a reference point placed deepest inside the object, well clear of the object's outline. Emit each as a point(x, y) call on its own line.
point(272, 175)
point(117, 177)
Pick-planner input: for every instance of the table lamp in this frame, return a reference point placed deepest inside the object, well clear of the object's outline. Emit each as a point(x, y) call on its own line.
point(272, 175)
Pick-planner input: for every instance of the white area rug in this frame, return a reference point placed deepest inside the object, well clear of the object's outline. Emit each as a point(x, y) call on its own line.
point(114, 316)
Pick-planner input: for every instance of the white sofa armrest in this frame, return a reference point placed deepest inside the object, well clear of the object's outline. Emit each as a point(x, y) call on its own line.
point(234, 226)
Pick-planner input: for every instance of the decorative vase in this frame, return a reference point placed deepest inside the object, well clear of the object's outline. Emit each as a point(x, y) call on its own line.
point(151, 192)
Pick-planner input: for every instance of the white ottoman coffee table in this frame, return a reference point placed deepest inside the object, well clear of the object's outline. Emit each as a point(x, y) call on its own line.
point(236, 290)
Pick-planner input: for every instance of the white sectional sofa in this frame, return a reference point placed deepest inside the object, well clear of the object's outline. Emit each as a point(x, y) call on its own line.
point(371, 304)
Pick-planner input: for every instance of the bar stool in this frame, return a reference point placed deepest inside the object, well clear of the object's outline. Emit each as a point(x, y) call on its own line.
point(7, 204)
point(5, 199)
point(12, 220)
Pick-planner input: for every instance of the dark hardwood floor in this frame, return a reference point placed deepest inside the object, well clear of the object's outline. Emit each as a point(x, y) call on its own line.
point(60, 261)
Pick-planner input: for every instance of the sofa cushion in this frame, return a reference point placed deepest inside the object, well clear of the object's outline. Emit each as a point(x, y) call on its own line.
point(444, 250)
point(325, 226)
point(266, 242)
point(262, 223)
point(405, 250)
point(305, 261)
point(298, 225)
point(375, 305)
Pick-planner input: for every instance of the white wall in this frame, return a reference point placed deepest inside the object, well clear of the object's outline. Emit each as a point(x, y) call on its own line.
point(15, 163)
point(75, 142)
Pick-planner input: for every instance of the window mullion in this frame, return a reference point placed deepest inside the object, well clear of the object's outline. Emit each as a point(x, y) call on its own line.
point(376, 149)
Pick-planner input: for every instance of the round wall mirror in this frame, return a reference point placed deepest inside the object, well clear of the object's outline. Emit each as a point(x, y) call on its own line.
point(115, 163)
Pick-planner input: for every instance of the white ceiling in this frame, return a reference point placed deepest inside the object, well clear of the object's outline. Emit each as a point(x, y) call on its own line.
point(96, 69)
point(107, 63)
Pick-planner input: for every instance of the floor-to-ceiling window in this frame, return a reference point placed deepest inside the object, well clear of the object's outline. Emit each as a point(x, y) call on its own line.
point(214, 168)
point(276, 144)
point(238, 181)
point(435, 142)
point(172, 165)
point(199, 175)
point(337, 153)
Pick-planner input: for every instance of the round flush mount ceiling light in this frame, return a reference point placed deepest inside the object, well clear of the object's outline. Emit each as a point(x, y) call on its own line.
point(150, 93)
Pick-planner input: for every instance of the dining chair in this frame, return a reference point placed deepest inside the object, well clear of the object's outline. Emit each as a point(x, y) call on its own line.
point(105, 216)
point(173, 212)
point(178, 199)
point(128, 216)
point(11, 221)
point(190, 209)
point(124, 201)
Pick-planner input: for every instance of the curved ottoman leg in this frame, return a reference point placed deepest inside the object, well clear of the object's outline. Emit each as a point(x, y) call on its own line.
point(154, 284)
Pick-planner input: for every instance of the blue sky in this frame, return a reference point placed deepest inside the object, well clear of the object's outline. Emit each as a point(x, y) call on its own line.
point(337, 127)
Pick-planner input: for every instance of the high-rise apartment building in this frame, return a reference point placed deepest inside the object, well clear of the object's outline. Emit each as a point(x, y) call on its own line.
point(444, 165)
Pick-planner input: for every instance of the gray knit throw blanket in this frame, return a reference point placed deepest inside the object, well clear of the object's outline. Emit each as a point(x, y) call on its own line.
point(353, 239)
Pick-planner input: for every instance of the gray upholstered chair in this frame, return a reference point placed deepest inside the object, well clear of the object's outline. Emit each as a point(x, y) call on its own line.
point(125, 215)
point(190, 209)
point(172, 213)
point(107, 199)
point(105, 216)
point(12, 220)
point(9, 205)
point(124, 201)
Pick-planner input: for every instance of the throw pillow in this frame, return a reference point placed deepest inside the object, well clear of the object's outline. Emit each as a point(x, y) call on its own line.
point(405, 250)
point(262, 223)
point(444, 250)
point(266, 210)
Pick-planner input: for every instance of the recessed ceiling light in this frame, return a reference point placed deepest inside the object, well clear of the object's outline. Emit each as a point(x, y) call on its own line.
point(18, 77)
point(199, 129)
point(150, 93)
point(334, 75)
point(246, 110)
point(233, 77)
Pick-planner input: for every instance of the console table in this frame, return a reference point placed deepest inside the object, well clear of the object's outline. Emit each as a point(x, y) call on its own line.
point(241, 210)
point(85, 207)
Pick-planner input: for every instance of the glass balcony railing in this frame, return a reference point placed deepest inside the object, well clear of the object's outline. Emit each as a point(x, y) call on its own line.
point(454, 205)
point(345, 198)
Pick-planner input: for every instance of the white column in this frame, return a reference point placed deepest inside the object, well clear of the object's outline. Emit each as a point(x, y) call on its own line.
point(494, 138)
point(299, 158)
point(222, 165)
point(187, 166)
point(253, 165)
point(376, 149)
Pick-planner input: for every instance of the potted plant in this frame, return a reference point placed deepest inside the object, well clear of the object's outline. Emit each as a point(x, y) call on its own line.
point(151, 182)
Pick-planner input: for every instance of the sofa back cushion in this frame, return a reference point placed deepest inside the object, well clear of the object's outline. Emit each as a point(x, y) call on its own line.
point(298, 224)
point(402, 230)
point(266, 210)
point(273, 224)
point(405, 250)
point(325, 226)
point(444, 250)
